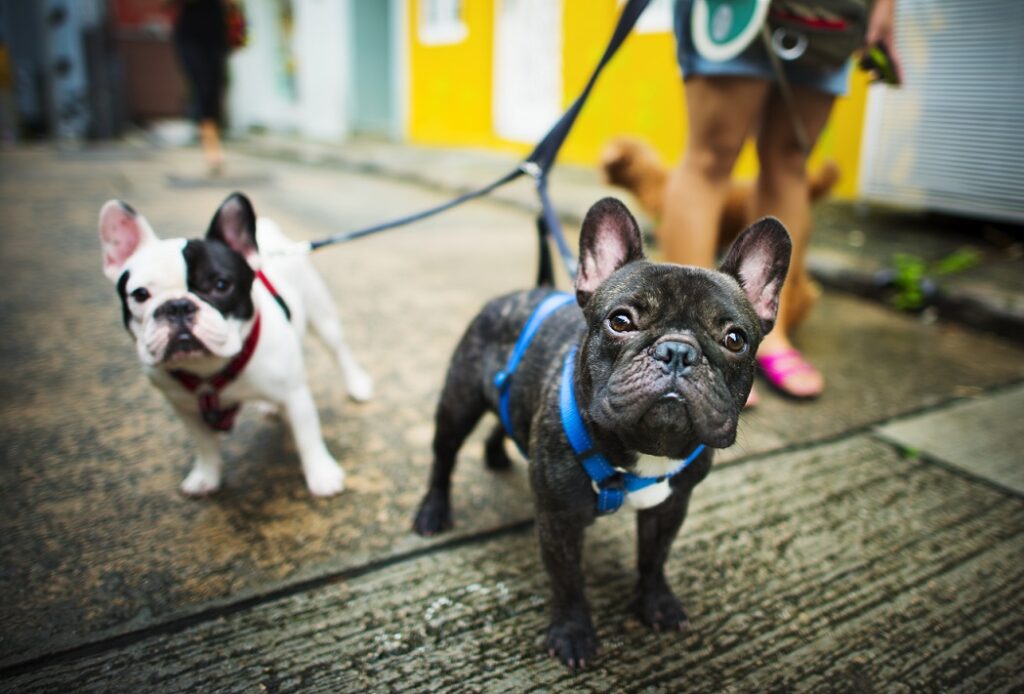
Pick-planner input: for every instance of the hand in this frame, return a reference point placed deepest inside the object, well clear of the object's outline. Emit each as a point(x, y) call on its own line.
point(882, 29)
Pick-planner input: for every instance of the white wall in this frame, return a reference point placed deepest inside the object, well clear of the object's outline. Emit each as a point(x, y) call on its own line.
point(400, 67)
point(527, 68)
point(315, 103)
point(258, 95)
point(322, 47)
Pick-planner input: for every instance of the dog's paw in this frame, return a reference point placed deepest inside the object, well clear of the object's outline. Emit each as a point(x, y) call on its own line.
point(572, 642)
point(325, 478)
point(661, 610)
point(200, 482)
point(434, 515)
point(359, 385)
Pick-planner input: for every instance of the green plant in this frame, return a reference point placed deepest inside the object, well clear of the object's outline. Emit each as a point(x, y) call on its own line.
point(912, 275)
point(910, 271)
point(910, 453)
point(958, 261)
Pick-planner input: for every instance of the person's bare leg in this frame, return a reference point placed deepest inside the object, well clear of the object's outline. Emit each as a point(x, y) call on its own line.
point(782, 192)
point(209, 138)
point(721, 112)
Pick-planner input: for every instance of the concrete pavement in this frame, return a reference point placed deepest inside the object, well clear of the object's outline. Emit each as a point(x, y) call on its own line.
point(835, 547)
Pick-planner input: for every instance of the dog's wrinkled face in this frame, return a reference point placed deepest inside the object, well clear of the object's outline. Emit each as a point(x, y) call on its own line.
point(182, 300)
point(668, 360)
point(670, 355)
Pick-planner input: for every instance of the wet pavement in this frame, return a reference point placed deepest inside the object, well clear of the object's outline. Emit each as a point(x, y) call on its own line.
point(872, 539)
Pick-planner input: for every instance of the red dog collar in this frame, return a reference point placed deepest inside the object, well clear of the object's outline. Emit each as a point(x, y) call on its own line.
point(274, 293)
point(216, 417)
point(209, 387)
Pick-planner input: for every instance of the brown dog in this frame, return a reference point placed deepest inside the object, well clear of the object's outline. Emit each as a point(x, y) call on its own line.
point(631, 163)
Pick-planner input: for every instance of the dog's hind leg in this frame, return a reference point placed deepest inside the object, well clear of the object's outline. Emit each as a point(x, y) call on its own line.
point(495, 456)
point(461, 406)
point(327, 325)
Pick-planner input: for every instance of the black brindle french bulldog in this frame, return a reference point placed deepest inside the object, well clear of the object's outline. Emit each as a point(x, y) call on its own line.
point(664, 363)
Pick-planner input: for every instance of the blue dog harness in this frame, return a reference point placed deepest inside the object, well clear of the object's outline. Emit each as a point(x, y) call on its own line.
point(611, 484)
point(503, 379)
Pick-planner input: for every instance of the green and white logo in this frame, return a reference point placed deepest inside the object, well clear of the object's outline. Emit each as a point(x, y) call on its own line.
point(722, 29)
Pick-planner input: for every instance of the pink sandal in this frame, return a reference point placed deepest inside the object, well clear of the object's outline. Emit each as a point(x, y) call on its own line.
point(778, 367)
point(753, 399)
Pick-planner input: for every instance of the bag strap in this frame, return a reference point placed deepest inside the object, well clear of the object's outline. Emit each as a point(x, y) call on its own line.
point(787, 92)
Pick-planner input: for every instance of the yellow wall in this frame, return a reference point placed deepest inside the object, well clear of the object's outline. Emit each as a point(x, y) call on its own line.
point(842, 136)
point(639, 92)
point(450, 85)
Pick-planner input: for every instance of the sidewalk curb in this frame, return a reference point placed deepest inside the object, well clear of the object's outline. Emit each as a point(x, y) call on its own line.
point(846, 273)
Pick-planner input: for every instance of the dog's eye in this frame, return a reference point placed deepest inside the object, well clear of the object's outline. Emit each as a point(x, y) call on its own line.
point(621, 322)
point(141, 295)
point(222, 285)
point(735, 342)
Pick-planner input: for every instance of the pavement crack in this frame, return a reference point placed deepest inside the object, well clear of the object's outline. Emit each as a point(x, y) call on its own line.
point(869, 429)
point(232, 606)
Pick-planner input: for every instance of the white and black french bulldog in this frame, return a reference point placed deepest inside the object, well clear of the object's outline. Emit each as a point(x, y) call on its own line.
point(619, 403)
point(217, 324)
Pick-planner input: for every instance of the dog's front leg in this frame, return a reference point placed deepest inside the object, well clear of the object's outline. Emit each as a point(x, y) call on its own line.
point(571, 637)
point(204, 478)
point(656, 528)
point(324, 476)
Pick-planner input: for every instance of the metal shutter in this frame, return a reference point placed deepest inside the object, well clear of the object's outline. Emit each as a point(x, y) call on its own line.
point(952, 138)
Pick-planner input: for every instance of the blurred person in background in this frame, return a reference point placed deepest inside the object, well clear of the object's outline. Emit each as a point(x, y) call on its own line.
point(8, 114)
point(202, 40)
point(726, 101)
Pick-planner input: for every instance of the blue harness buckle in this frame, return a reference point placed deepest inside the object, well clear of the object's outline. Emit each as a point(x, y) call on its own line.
point(501, 380)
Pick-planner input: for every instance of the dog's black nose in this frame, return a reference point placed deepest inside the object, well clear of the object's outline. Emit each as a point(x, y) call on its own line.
point(679, 356)
point(176, 309)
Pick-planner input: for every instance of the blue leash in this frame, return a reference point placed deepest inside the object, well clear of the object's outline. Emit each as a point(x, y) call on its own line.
point(610, 484)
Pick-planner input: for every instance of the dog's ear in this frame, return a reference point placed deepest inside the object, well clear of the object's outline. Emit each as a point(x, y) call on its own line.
point(123, 231)
point(759, 260)
point(234, 224)
point(610, 238)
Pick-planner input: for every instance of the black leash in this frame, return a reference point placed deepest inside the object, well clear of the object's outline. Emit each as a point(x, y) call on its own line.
point(344, 236)
point(537, 166)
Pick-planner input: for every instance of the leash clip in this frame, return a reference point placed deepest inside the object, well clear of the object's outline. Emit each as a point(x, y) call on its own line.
point(611, 494)
point(531, 169)
point(613, 483)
